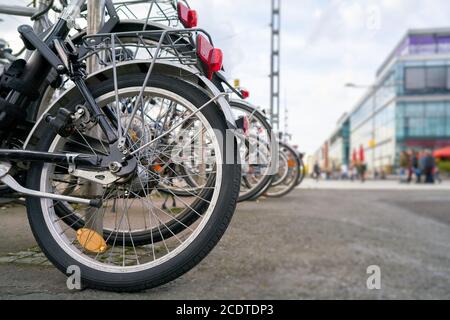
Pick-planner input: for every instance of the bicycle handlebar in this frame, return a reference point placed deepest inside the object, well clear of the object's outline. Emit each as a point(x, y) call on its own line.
point(17, 10)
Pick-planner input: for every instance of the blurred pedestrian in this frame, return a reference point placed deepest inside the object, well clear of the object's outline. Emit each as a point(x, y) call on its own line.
point(404, 166)
point(362, 169)
point(334, 171)
point(383, 175)
point(344, 172)
point(354, 172)
point(429, 165)
point(437, 171)
point(316, 172)
point(410, 165)
point(416, 166)
point(437, 174)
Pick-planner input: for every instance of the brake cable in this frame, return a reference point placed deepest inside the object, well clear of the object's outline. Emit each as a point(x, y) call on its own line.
point(43, 11)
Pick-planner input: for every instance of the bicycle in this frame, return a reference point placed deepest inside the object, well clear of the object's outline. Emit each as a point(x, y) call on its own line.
point(258, 150)
point(288, 175)
point(100, 151)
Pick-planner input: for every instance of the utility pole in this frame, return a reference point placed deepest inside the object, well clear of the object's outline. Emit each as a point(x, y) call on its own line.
point(96, 19)
point(286, 135)
point(96, 14)
point(275, 66)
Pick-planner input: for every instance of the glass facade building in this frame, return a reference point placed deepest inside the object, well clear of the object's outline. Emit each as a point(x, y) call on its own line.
point(409, 105)
point(339, 145)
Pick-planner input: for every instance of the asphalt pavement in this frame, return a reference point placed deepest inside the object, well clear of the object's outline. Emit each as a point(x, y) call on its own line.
point(313, 244)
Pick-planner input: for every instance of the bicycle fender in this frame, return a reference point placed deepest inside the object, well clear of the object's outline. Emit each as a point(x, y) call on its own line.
point(186, 73)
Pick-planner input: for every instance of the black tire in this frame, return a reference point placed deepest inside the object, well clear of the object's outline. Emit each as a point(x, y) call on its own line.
point(256, 190)
point(168, 270)
point(302, 172)
point(297, 173)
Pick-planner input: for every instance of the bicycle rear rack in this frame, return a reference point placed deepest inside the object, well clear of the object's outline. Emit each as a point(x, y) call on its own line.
point(174, 45)
point(159, 11)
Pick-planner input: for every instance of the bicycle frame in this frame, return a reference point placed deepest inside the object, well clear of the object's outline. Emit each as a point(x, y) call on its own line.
point(40, 65)
point(43, 59)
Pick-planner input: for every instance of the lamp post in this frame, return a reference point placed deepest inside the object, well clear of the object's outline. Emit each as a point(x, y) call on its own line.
point(275, 65)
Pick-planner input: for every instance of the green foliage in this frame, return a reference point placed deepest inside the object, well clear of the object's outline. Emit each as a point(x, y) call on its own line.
point(444, 166)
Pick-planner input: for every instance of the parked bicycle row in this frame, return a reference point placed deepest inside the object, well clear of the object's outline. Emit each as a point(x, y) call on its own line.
point(130, 145)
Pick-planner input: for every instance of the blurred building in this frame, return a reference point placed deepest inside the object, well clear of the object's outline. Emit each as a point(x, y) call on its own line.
point(339, 144)
point(408, 107)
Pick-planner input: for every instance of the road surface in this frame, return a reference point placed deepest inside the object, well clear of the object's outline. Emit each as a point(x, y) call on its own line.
point(313, 244)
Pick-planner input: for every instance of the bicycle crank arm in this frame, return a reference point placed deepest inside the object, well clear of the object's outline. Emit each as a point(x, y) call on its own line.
point(13, 184)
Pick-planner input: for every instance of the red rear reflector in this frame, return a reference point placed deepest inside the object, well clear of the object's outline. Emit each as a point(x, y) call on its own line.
point(215, 60)
point(188, 17)
point(204, 47)
point(245, 94)
point(210, 56)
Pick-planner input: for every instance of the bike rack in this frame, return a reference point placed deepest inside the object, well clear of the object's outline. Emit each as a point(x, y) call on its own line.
point(174, 45)
point(159, 11)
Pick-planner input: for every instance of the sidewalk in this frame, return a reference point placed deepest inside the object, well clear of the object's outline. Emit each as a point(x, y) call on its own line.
point(310, 184)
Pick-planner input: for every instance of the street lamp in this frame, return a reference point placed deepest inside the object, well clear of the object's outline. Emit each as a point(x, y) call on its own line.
point(356, 86)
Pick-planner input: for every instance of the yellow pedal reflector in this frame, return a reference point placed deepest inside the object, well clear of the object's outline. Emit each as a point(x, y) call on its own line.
point(292, 163)
point(91, 240)
point(133, 135)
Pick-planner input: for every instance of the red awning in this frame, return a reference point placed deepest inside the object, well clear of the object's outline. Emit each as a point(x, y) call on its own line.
point(442, 153)
point(362, 156)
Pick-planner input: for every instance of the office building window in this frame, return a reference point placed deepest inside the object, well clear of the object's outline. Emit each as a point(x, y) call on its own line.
point(400, 128)
point(362, 114)
point(435, 127)
point(414, 110)
point(415, 127)
point(448, 125)
point(423, 120)
point(436, 78)
point(427, 79)
point(435, 109)
point(415, 79)
point(444, 44)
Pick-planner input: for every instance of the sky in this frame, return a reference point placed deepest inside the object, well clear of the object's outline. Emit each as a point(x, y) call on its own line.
point(324, 45)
